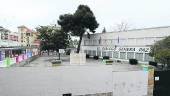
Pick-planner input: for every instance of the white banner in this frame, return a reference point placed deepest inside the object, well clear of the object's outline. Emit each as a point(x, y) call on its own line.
point(61, 50)
point(128, 49)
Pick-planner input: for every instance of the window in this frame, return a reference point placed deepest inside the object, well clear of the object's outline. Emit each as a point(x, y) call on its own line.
point(110, 54)
point(139, 56)
point(147, 57)
point(28, 34)
point(130, 55)
point(99, 41)
point(93, 53)
point(85, 51)
point(115, 54)
point(90, 53)
point(85, 42)
point(99, 53)
point(122, 55)
point(6, 36)
point(104, 53)
point(2, 37)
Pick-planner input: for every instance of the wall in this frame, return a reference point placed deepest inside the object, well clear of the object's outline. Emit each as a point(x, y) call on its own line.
point(10, 59)
point(131, 83)
point(134, 37)
point(108, 43)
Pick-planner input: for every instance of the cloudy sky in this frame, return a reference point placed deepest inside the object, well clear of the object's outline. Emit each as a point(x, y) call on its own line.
point(109, 13)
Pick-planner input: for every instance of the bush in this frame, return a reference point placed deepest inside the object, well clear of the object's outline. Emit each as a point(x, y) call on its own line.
point(118, 61)
point(87, 56)
point(105, 57)
point(133, 61)
point(108, 62)
point(68, 52)
point(153, 63)
point(96, 57)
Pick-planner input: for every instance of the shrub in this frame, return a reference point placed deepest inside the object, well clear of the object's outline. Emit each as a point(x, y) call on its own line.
point(68, 94)
point(109, 61)
point(68, 52)
point(133, 61)
point(87, 56)
point(105, 57)
point(96, 57)
point(56, 61)
point(118, 61)
point(153, 63)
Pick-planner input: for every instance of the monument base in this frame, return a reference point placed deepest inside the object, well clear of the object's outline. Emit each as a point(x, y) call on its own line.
point(77, 58)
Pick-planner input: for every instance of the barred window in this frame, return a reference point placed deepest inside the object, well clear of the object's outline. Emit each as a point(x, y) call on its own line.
point(122, 55)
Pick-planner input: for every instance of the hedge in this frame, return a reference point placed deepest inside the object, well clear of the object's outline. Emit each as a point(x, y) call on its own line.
point(96, 57)
point(133, 61)
point(153, 63)
point(105, 57)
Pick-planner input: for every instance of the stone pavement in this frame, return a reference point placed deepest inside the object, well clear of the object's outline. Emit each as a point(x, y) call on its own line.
point(54, 81)
point(45, 61)
point(38, 78)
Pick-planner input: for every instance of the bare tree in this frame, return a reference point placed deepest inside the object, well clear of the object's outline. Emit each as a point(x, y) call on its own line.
point(122, 26)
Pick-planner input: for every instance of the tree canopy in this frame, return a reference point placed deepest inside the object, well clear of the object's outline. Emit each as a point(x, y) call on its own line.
point(104, 30)
point(52, 38)
point(83, 20)
point(161, 51)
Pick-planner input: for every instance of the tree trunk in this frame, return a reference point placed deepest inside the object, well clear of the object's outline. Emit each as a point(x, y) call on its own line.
point(79, 44)
point(59, 56)
point(48, 52)
point(56, 52)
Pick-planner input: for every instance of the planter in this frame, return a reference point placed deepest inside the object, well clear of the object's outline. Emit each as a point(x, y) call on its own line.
point(133, 61)
point(96, 57)
point(108, 62)
point(56, 62)
point(105, 57)
point(153, 63)
point(77, 58)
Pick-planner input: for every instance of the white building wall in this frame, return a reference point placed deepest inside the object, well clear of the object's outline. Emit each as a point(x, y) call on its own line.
point(138, 38)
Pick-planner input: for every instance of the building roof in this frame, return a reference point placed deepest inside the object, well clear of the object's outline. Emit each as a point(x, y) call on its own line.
point(4, 29)
point(138, 29)
point(28, 30)
point(22, 26)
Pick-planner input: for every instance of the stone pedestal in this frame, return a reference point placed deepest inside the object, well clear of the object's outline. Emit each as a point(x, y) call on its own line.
point(77, 58)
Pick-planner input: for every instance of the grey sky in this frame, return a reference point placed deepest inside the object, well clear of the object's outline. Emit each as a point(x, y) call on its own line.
point(138, 13)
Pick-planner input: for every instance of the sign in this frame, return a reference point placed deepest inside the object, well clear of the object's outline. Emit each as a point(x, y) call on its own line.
point(156, 78)
point(128, 49)
point(61, 51)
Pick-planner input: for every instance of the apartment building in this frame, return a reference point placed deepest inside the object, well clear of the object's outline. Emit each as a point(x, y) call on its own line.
point(28, 37)
point(8, 38)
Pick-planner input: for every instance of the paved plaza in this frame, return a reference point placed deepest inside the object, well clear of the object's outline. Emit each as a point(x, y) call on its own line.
point(39, 78)
point(45, 61)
